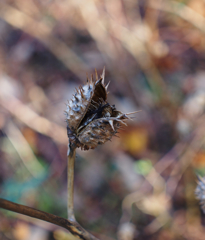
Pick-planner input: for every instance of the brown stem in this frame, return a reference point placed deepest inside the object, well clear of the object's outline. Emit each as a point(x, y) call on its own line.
point(72, 226)
point(70, 183)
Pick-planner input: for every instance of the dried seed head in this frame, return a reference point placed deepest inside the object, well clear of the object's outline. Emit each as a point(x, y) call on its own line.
point(200, 192)
point(91, 119)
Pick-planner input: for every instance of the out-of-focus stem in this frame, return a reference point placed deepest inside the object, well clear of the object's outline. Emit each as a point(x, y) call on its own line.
point(70, 184)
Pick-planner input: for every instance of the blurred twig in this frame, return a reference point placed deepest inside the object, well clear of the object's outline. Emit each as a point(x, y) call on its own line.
point(73, 227)
point(97, 26)
point(182, 11)
point(24, 150)
point(32, 119)
point(43, 33)
point(193, 146)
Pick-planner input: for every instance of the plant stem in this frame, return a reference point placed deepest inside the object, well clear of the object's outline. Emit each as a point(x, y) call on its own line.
point(72, 226)
point(70, 179)
point(69, 224)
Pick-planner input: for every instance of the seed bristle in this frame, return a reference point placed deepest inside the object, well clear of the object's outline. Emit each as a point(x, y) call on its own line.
point(96, 74)
point(106, 87)
point(103, 76)
point(133, 112)
point(111, 124)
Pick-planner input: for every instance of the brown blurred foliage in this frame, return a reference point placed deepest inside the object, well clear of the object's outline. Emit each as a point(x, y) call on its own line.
point(139, 186)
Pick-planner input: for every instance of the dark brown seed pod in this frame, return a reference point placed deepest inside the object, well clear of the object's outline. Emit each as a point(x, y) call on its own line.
point(91, 120)
point(200, 192)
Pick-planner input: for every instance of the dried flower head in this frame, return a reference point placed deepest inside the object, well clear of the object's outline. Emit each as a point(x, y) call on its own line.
point(91, 120)
point(200, 192)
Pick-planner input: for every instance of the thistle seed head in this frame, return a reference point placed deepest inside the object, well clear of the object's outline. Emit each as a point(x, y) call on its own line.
point(200, 192)
point(91, 120)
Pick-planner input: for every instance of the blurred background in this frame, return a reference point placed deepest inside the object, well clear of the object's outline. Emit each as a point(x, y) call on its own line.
point(139, 186)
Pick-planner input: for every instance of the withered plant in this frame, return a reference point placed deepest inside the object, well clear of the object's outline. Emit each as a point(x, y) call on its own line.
point(91, 121)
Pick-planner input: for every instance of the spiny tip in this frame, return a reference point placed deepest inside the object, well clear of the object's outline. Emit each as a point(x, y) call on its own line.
point(133, 112)
point(88, 80)
point(106, 87)
point(111, 124)
point(103, 76)
point(96, 74)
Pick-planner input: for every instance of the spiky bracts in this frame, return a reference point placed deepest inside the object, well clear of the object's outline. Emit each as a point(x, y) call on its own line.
point(91, 119)
point(200, 192)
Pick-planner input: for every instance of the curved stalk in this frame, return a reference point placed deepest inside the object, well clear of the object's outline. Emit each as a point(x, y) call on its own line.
point(72, 226)
point(69, 224)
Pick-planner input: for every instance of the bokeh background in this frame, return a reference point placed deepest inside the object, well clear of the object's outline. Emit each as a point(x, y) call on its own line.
point(139, 186)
